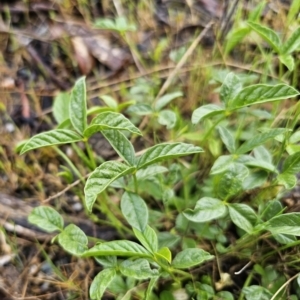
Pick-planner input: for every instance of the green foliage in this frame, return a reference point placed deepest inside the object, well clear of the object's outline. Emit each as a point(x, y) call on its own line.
point(138, 180)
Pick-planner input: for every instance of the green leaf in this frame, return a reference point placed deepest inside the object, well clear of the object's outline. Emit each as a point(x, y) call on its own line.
point(73, 240)
point(121, 145)
point(138, 269)
point(258, 163)
point(293, 11)
point(165, 254)
point(50, 138)
point(206, 111)
point(295, 137)
point(234, 37)
point(123, 25)
point(227, 138)
point(140, 109)
point(150, 287)
point(110, 120)
point(107, 261)
point(284, 239)
point(109, 101)
point(46, 218)
point(166, 99)
point(101, 178)
point(256, 11)
point(167, 239)
point(222, 163)
point(242, 216)
point(147, 238)
point(224, 295)
point(150, 171)
point(78, 105)
point(206, 209)
point(261, 153)
point(166, 151)
point(230, 183)
point(190, 257)
point(230, 87)
point(134, 210)
point(101, 282)
point(60, 107)
point(288, 61)
point(255, 179)
point(287, 180)
point(268, 35)
point(118, 248)
point(167, 118)
point(256, 292)
point(285, 224)
point(290, 168)
point(261, 93)
point(293, 43)
point(260, 139)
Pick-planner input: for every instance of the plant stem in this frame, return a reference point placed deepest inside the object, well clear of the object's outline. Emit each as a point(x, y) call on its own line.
point(69, 162)
point(135, 183)
point(247, 282)
point(91, 155)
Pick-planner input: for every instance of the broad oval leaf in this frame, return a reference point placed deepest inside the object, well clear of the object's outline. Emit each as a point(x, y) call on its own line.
point(234, 37)
point(227, 138)
point(78, 105)
point(290, 168)
point(206, 111)
point(261, 153)
point(109, 101)
point(60, 108)
point(257, 292)
point(222, 163)
point(255, 179)
point(230, 183)
point(190, 257)
point(147, 238)
point(164, 100)
point(288, 61)
point(258, 163)
point(121, 145)
point(110, 120)
point(73, 240)
point(261, 93)
point(166, 151)
point(260, 139)
point(167, 118)
point(107, 261)
point(287, 180)
point(150, 171)
point(285, 224)
point(206, 209)
point(134, 210)
point(140, 109)
point(293, 43)
point(50, 138)
point(164, 254)
point(268, 35)
point(119, 248)
point(243, 216)
point(101, 178)
point(101, 282)
point(138, 269)
point(46, 218)
point(230, 87)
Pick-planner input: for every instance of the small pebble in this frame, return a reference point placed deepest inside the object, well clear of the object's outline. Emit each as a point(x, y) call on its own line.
point(9, 127)
point(77, 206)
